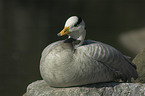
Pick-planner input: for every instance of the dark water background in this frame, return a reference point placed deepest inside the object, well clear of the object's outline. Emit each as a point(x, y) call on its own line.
point(28, 26)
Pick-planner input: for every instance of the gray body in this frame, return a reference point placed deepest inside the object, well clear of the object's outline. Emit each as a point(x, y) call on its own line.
point(92, 62)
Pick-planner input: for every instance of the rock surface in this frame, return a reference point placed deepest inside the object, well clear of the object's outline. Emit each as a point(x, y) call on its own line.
point(40, 88)
point(139, 60)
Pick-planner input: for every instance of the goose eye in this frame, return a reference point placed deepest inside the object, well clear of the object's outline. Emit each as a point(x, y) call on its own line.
point(75, 25)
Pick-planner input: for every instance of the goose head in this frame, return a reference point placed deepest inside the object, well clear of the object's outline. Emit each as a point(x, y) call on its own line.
point(74, 28)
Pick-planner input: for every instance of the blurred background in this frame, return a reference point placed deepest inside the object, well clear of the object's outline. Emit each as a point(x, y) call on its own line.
point(28, 26)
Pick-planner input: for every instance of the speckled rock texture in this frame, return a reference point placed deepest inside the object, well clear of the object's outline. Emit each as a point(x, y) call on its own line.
point(41, 88)
point(139, 60)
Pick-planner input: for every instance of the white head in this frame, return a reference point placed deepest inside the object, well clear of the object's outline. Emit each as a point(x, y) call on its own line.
point(74, 28)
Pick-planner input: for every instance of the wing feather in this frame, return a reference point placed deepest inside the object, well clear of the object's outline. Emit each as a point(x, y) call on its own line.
point(113, 59)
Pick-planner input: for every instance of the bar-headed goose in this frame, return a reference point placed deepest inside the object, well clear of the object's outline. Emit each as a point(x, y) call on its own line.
point(75, 61)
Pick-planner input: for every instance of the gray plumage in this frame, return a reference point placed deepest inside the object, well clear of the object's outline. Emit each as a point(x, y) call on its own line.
point(63, 65)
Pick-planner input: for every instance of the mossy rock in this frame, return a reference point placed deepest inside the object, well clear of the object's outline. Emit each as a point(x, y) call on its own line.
point(139, 60)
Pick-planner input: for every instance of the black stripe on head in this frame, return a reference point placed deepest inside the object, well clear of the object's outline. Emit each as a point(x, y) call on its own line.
point(79, 21)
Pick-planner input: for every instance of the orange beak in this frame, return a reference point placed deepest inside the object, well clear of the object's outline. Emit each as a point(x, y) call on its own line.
point(65, 31)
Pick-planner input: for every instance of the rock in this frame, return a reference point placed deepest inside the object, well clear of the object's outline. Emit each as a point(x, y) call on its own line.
point(40, 88)
point(139, 60)
point(133, 41)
